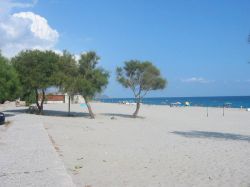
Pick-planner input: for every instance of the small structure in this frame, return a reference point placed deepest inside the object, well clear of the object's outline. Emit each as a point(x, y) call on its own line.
point(76, 99)
point(55, 98)
point(63, 98)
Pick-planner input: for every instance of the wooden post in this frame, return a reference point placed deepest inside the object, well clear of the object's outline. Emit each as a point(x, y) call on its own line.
point(69, 107)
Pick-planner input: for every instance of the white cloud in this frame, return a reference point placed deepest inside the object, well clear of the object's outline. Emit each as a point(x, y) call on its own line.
point(196, 80)
point(24, 30)
point(7, 5)
point(39, 26)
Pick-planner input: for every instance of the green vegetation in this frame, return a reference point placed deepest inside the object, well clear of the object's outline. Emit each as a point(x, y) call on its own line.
point(9, 82)
point(83, 78)
point(37, 71)
point(31, 72)
point(140, 77)
point(91, 79)
point(66, 76)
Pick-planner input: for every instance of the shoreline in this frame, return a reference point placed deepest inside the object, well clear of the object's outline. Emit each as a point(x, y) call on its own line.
point(167, 105)
point(215, 101)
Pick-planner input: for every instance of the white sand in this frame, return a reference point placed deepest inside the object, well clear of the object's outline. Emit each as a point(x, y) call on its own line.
point(27, 156)
point(155, 151)
point(169, 147)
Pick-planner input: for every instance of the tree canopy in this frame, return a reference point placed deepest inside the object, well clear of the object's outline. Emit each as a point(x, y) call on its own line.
point(37, 71)
point(9, 82)
point(91, 79)
point(66, 76)
point(141, 77)
point(68, 70)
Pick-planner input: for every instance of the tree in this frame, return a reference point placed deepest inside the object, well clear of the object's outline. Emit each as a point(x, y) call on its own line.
point(37, 71)
point(140, 77)
point(66, 75)
point(9, 82)
point(91, 79)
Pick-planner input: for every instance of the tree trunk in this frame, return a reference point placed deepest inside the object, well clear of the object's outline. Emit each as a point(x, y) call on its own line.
point(40, 106)
point(92, 116)
point(138, 104)
point(37, 102)
point(37, 99)
point(69, 106)
point(43, 99)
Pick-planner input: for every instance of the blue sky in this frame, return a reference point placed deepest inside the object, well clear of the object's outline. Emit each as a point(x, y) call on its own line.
point(200, 46)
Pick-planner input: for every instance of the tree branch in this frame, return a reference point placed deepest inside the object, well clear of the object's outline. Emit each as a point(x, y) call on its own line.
point(145, 93)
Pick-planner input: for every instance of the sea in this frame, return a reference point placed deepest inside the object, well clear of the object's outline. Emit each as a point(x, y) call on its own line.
point(229, 101)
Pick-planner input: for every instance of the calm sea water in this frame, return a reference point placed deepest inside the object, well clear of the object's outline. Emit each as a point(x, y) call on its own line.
point(235, 101)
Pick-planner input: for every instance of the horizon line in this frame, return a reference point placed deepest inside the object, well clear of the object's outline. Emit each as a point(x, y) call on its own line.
point(173, 97)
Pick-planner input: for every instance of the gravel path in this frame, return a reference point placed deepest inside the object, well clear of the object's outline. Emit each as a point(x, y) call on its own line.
point(27, 156)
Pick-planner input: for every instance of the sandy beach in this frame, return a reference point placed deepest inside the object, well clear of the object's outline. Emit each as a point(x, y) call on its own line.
point(158, 93)
point(164, 147)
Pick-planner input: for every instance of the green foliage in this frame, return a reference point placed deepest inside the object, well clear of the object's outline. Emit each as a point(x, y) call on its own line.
point(28, 96)
point(36, 68)
point(9, 82)
point(37, 71)
point(140, 77)
point(68, 71)
point(91, 79)
point(83, 78)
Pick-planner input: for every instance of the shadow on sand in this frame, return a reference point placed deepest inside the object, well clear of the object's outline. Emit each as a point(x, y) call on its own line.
point(10, 113)
point(64, 113)
point(215, 135)
point(49, 113)
point(121, 115)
